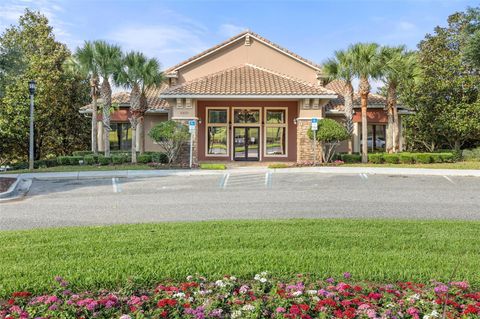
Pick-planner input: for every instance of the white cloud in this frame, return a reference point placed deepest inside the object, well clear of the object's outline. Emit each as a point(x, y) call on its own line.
point(406, 26)
point(169, 43)
point(229, 30)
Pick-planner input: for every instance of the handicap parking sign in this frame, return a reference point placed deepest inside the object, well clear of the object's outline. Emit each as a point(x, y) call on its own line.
point(191, 126)
point(314, 123)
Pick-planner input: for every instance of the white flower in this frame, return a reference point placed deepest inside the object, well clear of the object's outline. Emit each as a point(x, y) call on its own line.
point(179, 295)
point(189, 278)
point(434, 314)
point(264, 273)
point(315, 298)
point(219, 283)
point(257, 277)
point(297, 293)
point(233, 278)
point(263, 279)
point(248, 307)
point(312, 292)
point(236, 314)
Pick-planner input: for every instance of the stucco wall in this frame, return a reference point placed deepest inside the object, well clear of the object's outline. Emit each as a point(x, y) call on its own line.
point(150, 121)
point(256, 53)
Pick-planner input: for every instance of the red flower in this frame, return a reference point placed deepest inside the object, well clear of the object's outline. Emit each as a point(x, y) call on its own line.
point(21, 294)
point(164, 314)
point(305, 307)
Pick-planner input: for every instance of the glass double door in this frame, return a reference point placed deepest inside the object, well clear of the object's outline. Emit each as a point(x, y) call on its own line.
point(246, 146)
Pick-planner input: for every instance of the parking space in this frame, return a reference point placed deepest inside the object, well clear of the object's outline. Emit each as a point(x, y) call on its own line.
point(242, 195)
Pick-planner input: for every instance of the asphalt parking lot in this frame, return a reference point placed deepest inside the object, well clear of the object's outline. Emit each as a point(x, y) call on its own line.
point(55, 203)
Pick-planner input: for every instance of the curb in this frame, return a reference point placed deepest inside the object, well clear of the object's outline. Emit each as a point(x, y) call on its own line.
point(17, 190)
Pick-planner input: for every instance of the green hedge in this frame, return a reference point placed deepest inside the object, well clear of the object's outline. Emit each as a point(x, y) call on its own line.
point(102, 160)
point(119, 159)
point(391, 158)
point(351, 158)
point(90, 159)
point(422, 158)
point(75, 160)
point(376, 158)
point(144, 158)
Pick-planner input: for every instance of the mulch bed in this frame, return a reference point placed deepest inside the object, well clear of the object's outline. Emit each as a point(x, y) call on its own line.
point(5, 183)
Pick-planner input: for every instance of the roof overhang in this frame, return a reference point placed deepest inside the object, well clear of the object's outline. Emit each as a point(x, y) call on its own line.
point(256, 97)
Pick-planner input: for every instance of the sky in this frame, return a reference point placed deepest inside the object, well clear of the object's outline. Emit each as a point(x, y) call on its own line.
point(175, 30)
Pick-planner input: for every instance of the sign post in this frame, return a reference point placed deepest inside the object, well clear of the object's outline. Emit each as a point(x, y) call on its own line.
point(191, 129)
point(314, 129)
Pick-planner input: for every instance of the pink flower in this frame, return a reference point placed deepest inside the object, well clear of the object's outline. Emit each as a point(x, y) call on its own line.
point(441, 289)
point(347, 275)
point(460, 284)
point(280, 310)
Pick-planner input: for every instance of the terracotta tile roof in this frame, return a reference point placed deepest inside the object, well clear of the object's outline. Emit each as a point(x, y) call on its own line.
point(338, 103)
point(123, 99)
point(246, 79)
point(237, 37)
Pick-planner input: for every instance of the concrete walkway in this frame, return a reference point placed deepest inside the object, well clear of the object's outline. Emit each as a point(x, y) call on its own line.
point(249, 169)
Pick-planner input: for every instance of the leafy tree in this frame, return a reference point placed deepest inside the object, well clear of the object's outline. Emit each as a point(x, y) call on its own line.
point(107, 58)
point(399, 66)
point(446, 99)
point(366, 66)
point(171, 136)
point(330, 133)
point(138, 74)
point(341, 68)
point(59, 128)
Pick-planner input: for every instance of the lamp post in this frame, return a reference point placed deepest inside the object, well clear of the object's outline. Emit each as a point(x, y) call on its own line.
point(31, 88)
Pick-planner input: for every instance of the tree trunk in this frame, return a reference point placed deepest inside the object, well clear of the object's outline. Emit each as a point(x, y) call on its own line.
point(133, 122)
point(106, 93)
point(141, 133)
point(391, 103)
point(94, 117)
point(349, 113)
point(396, 130)
point(457, 145)
point(364, 91)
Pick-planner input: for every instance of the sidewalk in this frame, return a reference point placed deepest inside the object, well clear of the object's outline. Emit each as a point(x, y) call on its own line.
point(250, 169)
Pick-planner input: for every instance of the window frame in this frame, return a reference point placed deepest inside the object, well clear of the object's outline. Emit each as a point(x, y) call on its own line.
point(225, 125)
point(270, 125)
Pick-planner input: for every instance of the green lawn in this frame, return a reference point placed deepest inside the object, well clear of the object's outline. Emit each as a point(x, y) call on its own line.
point(457, 165)
point(105, 257)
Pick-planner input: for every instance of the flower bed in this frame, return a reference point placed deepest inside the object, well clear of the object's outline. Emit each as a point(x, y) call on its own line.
point(261, 297)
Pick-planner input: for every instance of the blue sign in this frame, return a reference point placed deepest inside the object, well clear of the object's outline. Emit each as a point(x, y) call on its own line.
point(314, 120)
point(191, 123)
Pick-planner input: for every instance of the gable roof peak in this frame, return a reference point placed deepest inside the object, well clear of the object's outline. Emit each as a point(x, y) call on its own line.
point(237, 37)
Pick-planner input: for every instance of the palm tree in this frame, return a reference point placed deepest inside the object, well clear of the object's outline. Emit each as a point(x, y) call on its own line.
point(399, 66)
point(138, 74)
point(83, 63)
point(366, 66)
point(341, 68)
point(107, 57)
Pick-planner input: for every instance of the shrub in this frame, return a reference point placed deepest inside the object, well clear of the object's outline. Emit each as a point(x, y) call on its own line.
point(406, 158)
point(423, 158)
point(448, 157)
point(90, 159)
point(75, 160)
point(20, 165)
point(212, 166)
point(119, 159)
point(63, 160)
point(45, 163)
point(471, 155)
point(331, 133)
point(375, 158)
point(159, 157)
point(436, 157)
point(351, 158)
point(171, 136)
point(102, 160)
point(391, 158)
point(82, 153)
point(144, 158)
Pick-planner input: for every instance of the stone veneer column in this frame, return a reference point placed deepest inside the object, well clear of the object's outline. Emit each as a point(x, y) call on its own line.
point(305, 144)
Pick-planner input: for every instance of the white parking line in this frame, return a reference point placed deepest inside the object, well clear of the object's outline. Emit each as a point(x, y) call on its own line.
point(363, 176)
point(225, 181)
point(449, 179)
point(116, 185)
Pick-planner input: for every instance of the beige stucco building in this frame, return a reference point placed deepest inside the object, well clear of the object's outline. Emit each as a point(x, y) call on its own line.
point(252, 100)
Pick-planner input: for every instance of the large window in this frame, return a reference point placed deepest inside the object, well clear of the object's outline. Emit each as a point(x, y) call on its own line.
point(275, 132)
point(217, 132)
point(120, 136)
point(246, 116)
point(375, 138)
